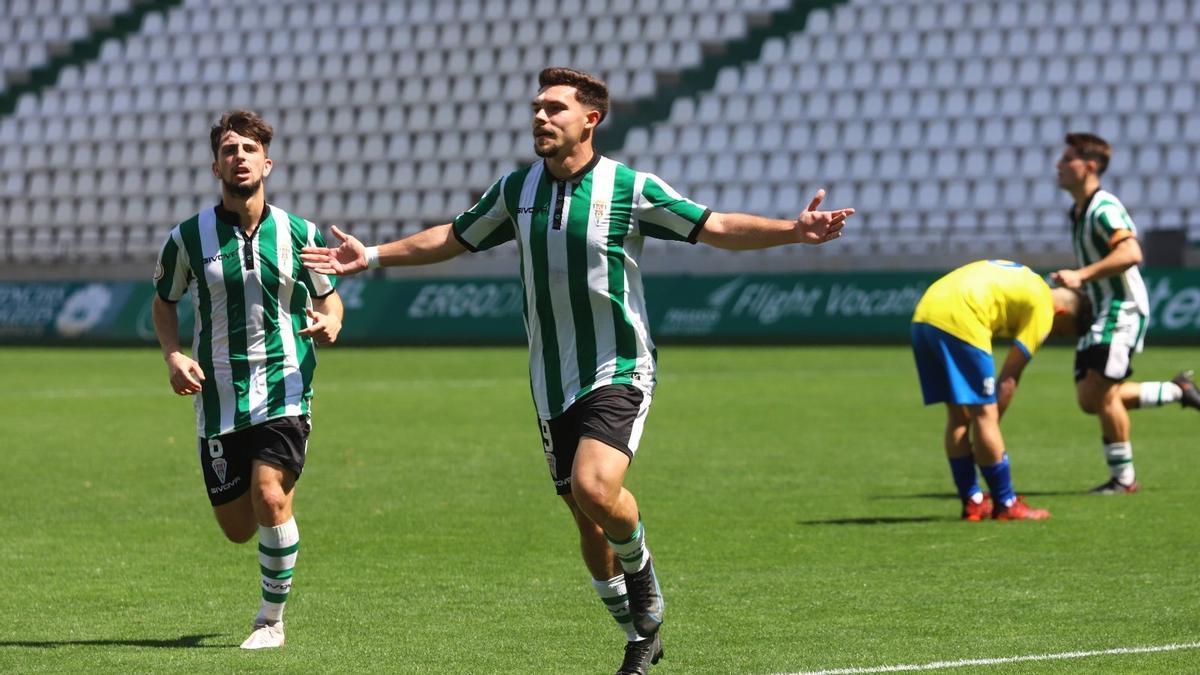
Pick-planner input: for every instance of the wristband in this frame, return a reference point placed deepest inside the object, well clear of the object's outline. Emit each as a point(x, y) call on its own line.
point(372, 257)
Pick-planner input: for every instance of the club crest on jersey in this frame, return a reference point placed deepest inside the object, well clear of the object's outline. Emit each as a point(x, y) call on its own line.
point(600, 209)
point(158, 271)
point(219, 465)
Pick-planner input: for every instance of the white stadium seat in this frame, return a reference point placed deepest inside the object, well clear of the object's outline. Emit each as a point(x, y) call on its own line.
point(389, 108)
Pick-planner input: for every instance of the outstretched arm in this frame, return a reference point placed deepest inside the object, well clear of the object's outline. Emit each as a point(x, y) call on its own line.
point(742, 231)
point(426, 247)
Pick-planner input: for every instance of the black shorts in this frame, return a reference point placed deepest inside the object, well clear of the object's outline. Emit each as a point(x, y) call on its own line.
point(1113, 361)
point(614, 414)
point(227, 461)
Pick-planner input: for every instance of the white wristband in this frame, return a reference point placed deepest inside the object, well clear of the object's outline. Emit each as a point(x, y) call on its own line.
point(372, 257)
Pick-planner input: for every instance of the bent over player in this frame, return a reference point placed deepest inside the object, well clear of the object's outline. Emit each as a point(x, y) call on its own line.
point(952, 331)
point(1108, 254)
point(251, 368)
point(579, 220)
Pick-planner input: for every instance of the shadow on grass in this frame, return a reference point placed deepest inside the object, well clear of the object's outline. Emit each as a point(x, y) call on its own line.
point(183, 642)
point(950, 496)
point(878, 520)
point(1054, 493)
point(919, 495)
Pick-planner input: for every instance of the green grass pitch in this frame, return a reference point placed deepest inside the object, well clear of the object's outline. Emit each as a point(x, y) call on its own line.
point(796, 500)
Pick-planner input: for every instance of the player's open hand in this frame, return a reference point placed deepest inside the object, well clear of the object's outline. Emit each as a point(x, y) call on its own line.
point(324, 328)
point(1067, 279)
point(818, 227)
point(348, 258)
point(185, 374)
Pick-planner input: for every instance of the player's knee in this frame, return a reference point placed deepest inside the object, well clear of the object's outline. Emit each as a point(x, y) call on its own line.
point(591, 494)
point(274, 502)
point(271, 499)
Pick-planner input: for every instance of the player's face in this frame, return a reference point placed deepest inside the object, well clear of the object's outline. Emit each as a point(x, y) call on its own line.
point(560, 121)
point(241, 164)
point(1072, 169)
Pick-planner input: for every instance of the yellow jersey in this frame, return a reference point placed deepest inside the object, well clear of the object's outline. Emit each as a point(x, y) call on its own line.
point(990, 298)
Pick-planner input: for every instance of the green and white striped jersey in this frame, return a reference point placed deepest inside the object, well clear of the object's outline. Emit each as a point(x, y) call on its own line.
point(1116, 300)
point(250, 296)
point(579, 242)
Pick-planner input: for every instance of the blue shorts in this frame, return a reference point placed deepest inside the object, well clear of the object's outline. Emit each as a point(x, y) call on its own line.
point(951, 370)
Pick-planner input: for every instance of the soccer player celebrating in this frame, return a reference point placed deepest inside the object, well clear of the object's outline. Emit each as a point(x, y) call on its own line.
point(1107, 252)
point(952, 332)
point(579, 220)
point(252, 361)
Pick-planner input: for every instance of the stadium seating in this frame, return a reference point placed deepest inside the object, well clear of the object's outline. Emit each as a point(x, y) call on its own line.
point(944, 126)
point(938, 119)
point(32, 31)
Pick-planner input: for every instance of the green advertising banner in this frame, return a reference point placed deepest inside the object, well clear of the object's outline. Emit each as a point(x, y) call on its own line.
point(825, 307)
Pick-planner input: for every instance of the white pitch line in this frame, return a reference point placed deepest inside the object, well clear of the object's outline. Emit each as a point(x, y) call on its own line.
point(964, 663)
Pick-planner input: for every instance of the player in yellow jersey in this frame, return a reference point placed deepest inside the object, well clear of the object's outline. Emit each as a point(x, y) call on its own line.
point(952, 332)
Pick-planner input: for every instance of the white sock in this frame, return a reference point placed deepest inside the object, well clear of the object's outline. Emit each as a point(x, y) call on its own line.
point(1120, 461)
point(277, 550)
point(1155, 394)
point(612, 592)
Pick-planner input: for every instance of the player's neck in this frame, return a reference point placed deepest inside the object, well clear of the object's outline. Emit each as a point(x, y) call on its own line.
point(1083, 194)
point(249, 210)
point(563, 168)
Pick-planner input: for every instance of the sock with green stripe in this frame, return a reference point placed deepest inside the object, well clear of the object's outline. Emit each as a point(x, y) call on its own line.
point(612, 592)
point(1120, 461)
point(632, 552)
point(1155, 394)
point(277, 549)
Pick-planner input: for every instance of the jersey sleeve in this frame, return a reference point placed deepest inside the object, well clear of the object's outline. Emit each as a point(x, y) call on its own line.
point(1037, 321)
point(662, 213)
point(1114, 224)
point(488, 223)
point(172, 272)
point(319, 285)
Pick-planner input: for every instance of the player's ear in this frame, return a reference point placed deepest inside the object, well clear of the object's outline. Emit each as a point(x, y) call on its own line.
point(593, 119)
point(216, 174)
point(267, 164)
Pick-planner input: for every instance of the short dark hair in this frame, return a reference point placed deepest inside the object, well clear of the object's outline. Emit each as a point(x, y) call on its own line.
point(1091, 146)
point(245, 123)
point(589, 89)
